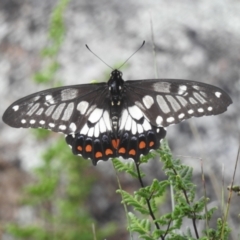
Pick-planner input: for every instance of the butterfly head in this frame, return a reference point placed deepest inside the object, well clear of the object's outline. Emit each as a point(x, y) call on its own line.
point(115, 85)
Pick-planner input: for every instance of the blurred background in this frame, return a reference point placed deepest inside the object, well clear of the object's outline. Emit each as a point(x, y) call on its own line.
point(195, 40)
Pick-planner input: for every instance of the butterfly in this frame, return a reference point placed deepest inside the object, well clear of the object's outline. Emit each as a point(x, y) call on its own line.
point(118, 118)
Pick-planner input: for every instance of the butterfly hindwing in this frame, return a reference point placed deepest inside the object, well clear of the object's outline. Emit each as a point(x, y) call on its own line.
point(137, 136)
point(95, 140)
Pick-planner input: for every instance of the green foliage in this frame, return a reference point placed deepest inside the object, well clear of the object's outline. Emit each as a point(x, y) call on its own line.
point(125, 167)
point(60, 195)
point(217, 234)
point(27, 232)
point(143, 227)
point(147, 220)
point(56, 35)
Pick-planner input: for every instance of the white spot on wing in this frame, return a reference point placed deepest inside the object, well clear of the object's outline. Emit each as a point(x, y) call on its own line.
point(68, 94)
point(170, 119)
point(203, 94)
point(182, 101)
point(96, 130)
point(36, 98)
point(90, 132)
point(190, 111)
point(123, 119)
point(73, 127)
point(218, 94)
point(146, 125)
point(49, 99)
point(33, 109)
point(139, 128)
point(135, 112)
point(182, 89)
point(106, 119)
point(209, 108)
point(62, 127)
point(68, 112)
point(200, 110)
point(82, 107)
point(181, 115)
point(192, 100)
point(148, 101)
point(40, 111)
point(199, 97)
point(196, 87)
point(175, 105)
point(15, 108)
point(32, 121)
point(162, 104)
point(159, 120)
point(23, 121)
point(58, 111)
point(84, 130)
point(51, 125)
point(95, 115)
point(163, 87)
point(134, 127)
point(42, 122)
point(102, 126)
point(50, 110)
point(128, 123)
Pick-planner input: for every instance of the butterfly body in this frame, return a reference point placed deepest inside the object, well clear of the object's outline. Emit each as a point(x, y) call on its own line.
point(118, 118)
point(116, 94)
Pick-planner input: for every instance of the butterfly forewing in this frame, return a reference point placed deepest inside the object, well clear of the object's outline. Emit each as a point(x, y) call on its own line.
point(170, 101)
point(64, 109)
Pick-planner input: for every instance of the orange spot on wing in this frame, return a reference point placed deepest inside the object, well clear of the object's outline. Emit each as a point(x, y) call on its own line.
point(79, 148)
point(88, 148)
point(151, 144)
point(142, 145)
point(122, 150)
point(115, 143)
point(108, 151)
point(132, 152)
point(98, 155)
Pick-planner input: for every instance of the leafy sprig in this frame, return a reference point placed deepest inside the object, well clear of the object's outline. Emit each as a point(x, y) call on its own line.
point(145, 202)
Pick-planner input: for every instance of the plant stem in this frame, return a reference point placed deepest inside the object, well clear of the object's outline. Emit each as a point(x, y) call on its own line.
point(194, 218)
point(147, 200)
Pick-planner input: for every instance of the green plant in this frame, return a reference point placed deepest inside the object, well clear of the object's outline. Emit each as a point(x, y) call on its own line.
point(147, 220)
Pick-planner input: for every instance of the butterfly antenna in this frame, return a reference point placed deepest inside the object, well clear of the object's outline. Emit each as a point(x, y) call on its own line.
point(97, 56)
point(133, 54)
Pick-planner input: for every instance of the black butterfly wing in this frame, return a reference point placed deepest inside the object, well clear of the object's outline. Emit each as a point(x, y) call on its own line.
point(170, 101)
point(64, 109)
